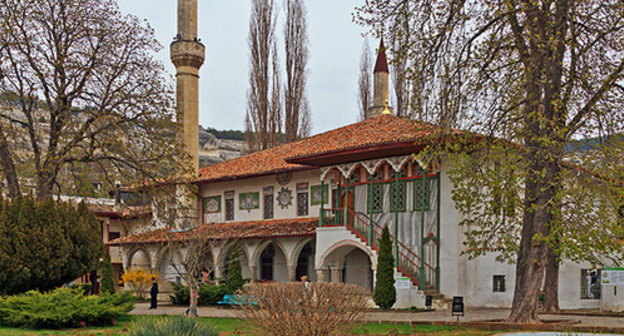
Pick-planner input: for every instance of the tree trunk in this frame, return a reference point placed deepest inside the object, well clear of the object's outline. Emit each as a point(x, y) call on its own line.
point(551, 286)
point(193, 301)
point(6, 160)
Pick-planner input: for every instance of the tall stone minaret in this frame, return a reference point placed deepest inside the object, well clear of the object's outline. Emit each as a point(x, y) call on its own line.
point(381, 84)
point(187, 54)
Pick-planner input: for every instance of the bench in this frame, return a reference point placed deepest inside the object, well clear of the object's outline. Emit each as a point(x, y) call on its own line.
point(237, 300)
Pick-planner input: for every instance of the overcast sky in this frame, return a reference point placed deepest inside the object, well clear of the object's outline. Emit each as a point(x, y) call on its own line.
point(335, 49)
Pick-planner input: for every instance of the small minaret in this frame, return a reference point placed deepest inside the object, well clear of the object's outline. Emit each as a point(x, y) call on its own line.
point(381, 84)
point(187, 54)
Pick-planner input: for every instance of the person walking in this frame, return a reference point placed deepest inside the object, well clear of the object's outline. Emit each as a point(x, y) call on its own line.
point(153, 294)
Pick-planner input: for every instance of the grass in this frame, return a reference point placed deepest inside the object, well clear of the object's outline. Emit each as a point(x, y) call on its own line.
point(234, 326)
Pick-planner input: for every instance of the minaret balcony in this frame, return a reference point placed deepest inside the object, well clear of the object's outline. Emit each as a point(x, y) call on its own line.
point(187, 53)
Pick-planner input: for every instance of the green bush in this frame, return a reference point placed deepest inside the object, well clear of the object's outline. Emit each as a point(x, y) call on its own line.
point(171, 326)
point(181, 294)
point(84, 288)
point(62, 308)
point(385, 293)
point(211, 295)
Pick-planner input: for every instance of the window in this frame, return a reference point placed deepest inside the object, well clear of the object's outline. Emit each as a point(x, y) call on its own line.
point(402, 173)
point(113, 235)
point(590, 284)
point(377, 198)
point(421, 195)
point(302, 199)
point(355, 177)
point(268, 202)
point(499, 283)
point(397, 197)
point(229, 205)
point(379, 175)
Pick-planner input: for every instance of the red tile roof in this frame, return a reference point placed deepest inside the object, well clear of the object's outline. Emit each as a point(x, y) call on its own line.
point(385, 129)
point(370, 133)
point(293, 227)
point(120, 211)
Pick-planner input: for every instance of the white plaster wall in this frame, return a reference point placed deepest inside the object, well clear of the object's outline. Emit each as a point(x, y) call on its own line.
point(358, 269)
point(255, 184)
point(613, 298)
point(478, 280)
point(452, 267)
point(570, 287)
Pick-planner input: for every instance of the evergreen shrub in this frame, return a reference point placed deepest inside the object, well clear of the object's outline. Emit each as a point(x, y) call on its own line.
point(45, 244)
point(63, 308)
point(385, 293)
point(211, 295)
point(171, 326)
point(181, 294)
point(106, 268)
point(234, 279)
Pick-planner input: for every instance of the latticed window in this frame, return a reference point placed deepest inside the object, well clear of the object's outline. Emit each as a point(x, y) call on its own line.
point(499, 283)
point(590, 284)
point(421, 195)
point(397, 197)
point(377, 198)
point(402, 173)
point(379, 175)
point(268, 206)
point(229, 209)
point(302, 203)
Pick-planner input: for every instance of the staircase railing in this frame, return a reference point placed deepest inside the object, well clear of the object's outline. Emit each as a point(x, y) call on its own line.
point(409, 263)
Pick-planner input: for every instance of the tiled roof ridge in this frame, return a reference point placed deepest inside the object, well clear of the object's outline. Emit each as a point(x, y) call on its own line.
point(286, 227)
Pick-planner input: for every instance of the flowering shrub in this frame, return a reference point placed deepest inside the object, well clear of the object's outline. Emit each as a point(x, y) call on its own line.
point(140, 280)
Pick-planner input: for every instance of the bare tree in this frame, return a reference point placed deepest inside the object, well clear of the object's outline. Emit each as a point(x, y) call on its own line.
point(296, 51)
point(190, 257)
point(365, 81)
point(399, 69)
point(275, 109)
point(80, 86)
point(535, 73)
point(261, 40)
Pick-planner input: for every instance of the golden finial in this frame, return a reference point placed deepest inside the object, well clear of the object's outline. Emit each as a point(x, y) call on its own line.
point(386, 109)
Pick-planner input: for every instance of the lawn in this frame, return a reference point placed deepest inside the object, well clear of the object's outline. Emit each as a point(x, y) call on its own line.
point(233, 326)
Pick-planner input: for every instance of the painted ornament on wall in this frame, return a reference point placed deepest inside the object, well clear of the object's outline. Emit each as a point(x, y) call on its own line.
point(249, 201)
point(284, 198)
point(284, 178)
point(318, 195)
point(212, 204)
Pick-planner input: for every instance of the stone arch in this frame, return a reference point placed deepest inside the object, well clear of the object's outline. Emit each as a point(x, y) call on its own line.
point(302, 259)
point(222, 260)
point(349, 261)
point(277, 267)
point(144, 260)
point(344, 243)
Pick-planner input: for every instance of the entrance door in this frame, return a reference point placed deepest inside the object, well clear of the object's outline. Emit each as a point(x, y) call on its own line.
point(350, 205)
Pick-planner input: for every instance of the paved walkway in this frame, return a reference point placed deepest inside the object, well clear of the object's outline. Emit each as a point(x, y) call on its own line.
point(472, 315)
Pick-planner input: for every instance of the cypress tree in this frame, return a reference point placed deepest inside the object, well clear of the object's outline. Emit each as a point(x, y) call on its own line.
point(106, 269)
point(234, 279)
point(385, 293)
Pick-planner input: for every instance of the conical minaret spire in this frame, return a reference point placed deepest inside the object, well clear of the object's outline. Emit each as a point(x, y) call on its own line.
point(187, 54)
point(381, 84)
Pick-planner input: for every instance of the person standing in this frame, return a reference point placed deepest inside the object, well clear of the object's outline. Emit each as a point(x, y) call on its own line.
point(153, 294)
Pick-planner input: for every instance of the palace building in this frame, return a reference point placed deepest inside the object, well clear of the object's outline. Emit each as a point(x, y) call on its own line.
point(317, 206)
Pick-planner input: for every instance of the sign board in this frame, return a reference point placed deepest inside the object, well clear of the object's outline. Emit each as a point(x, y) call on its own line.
point(403, 283)
point(612, 276)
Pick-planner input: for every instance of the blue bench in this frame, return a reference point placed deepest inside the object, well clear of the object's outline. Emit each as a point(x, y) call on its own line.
point(237, 300)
